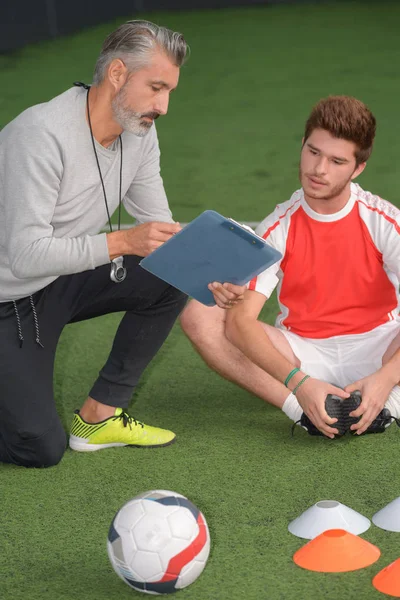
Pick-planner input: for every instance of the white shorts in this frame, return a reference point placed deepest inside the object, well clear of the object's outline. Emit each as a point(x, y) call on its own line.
point(343, 359)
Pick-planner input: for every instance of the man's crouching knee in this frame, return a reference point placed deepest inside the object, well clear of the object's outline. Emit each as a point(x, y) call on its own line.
point(45, 450)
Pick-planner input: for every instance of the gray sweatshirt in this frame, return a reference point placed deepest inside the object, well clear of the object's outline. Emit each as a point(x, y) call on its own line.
point(51, 200)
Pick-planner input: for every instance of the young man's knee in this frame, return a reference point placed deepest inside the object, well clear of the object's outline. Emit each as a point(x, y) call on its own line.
point(197, 321)
point(45, 450)
point(190, 320)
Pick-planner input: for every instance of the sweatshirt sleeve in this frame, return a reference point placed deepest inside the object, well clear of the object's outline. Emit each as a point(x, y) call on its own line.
point(146, 199)
point(32, 176)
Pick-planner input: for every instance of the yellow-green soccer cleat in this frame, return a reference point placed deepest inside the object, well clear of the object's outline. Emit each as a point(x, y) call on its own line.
point(119, 430)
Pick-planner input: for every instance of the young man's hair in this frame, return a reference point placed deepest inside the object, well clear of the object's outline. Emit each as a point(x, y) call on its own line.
point(134, 42)
point(346, 118)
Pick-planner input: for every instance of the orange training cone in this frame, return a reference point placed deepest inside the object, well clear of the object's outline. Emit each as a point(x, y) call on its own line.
point(336, 551)
point(387, 581)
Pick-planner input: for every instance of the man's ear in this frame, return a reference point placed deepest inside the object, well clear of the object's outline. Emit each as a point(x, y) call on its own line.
point(117, 74)
point(359, 170)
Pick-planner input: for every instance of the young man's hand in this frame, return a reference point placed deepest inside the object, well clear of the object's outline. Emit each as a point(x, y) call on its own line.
point(375, 390)
point(227, 295)
point(311, 396)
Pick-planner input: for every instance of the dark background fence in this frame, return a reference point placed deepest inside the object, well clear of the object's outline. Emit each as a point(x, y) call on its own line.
point(26, 21)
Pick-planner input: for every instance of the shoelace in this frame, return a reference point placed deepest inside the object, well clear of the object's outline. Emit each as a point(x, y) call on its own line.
point(127, 420)
point(383, 420)
point(299, 421)
point(294, 426)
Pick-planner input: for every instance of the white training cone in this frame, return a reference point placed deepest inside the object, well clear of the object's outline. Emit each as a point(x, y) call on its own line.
point(388, 517)
point(328, 514)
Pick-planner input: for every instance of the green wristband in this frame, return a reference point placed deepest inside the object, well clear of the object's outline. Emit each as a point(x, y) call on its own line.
point(299, 384)
point(289, 377)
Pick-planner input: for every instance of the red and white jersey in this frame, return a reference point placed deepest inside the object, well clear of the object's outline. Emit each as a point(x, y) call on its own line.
point(339, 273)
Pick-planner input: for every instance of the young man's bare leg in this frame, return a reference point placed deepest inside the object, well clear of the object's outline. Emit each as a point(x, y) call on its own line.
point(205, 328)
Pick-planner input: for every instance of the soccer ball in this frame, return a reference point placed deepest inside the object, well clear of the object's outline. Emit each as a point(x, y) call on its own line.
point(158, 542)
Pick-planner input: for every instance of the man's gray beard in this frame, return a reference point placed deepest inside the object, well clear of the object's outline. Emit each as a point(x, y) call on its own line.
point(128, 119)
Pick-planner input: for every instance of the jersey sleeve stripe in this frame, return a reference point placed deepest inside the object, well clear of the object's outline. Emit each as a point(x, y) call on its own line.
point(266, 234)
point(253, 282)
point(384, 215)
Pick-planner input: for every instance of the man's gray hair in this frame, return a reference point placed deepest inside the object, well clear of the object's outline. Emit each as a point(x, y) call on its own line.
point(134, 42)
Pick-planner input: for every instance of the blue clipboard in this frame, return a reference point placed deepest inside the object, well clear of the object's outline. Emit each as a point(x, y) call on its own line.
point(210, 248)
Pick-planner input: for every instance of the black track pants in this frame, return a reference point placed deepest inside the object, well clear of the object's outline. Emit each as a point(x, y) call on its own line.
point(31, 433)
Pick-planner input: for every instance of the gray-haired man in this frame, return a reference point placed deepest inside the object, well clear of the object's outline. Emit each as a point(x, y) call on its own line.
point(65, 166)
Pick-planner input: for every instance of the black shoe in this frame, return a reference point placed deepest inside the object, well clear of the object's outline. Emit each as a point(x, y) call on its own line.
point(378, 425)
point(333, 406)
point(349, 404)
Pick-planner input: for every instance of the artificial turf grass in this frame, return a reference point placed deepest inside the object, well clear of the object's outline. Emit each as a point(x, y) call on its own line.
point(234, 458)
point(230, 143)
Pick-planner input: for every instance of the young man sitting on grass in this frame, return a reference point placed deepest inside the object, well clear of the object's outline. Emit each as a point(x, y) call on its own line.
point(332, 361)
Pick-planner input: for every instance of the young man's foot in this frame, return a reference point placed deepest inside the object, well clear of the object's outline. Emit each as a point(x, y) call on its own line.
point(341, 409)
point(349, 404)
point(378, 425)
point(119, 430)
point(333, 406)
